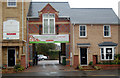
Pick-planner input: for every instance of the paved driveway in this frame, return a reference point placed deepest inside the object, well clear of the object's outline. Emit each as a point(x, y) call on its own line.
point(49, 66)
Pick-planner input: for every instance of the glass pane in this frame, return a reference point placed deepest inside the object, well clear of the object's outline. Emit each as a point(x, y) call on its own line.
point(51, 16)
point(45, 15)
point(46, 26)
point(107, 56)
point(101, 50)
point(80, 27)
point(110, 56)
point(80, 33)
point(102, 56)
point(83, 27)
point(107, 27)
point(83, 33)
point(51, 25)
point(104, 28)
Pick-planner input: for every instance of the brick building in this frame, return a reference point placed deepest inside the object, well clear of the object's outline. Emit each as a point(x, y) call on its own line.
point(14, 37)
point(93, 32)
point(85, 34)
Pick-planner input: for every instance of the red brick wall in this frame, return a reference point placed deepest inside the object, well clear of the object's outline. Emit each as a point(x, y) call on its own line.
point(76, 61)
point(94, 59)
point(108, 66)
point(33, 28)
point(23, 61)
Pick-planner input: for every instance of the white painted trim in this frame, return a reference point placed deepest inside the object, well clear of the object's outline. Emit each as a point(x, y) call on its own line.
point(104, 48)
point(48, 23)
point(11, 6)
point(80, 58)
point(7, 55)
point(109, 31)
point(85, 31)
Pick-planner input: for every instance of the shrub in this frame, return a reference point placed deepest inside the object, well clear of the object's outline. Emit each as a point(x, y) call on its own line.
point(99, 63)
point(18, 67)
point(91, 63)
point(97, 67)
point(80, 67)
point(117, 59)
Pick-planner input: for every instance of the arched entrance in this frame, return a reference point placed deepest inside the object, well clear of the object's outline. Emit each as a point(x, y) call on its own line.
point(48, 27)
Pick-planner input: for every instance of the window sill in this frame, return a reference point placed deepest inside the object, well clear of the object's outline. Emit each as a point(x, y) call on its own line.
point(11, 7)
point(83, 37)
point(107, 37)
point(107, 60)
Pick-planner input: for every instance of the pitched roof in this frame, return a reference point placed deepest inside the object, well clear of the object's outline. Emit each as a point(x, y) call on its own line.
point(107, 44)
point(77, 15)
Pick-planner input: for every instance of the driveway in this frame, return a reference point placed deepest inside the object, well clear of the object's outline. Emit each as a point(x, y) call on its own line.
point(49, 66)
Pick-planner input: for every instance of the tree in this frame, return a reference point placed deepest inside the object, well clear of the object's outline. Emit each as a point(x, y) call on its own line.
point(45, 48)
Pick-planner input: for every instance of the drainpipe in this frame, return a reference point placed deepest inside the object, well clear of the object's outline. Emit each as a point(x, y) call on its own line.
point(22, 20)
point(73, 42)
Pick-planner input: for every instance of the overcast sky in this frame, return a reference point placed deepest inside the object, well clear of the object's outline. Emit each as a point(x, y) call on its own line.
point(89, 3)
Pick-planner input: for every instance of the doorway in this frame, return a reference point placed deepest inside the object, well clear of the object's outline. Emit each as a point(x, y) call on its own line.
point(83, 56)
point(11, 57)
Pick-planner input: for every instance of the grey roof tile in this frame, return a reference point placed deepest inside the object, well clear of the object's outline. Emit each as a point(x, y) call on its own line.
point(78, 15)
point(107, 44)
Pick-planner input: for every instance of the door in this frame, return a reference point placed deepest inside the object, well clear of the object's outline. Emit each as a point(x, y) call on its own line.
point(83, 56)
point(11, 57)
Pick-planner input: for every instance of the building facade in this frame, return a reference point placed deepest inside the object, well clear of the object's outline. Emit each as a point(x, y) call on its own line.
point(86, 34)
point(93, 31)
point(14, 37)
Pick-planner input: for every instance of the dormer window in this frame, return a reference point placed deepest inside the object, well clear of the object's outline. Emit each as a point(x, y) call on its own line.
point(48, 23)
point(11, 3)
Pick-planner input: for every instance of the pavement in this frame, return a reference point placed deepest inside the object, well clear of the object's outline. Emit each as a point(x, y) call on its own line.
point(52, 69)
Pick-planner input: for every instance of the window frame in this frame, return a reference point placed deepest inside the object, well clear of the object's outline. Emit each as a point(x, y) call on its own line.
point(48, 23)
point(12, 5)
point(109, 31)
point(85, 31)
point(104, 52)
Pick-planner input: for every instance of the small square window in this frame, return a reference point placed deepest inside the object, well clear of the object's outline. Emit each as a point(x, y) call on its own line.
point(11, 3)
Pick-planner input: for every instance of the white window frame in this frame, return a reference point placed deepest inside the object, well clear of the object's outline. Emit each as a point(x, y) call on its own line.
point(11, 5)
point(109, 31)
point(85, 31)
point(104, 52)
point(48, 23)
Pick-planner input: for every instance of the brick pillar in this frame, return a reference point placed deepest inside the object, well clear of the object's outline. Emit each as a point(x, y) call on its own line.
point(76, 61)
point(94, 59)
point(23, 61)
point(20, 51)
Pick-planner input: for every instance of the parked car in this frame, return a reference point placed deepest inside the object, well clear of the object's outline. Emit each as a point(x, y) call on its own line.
point(42, 57)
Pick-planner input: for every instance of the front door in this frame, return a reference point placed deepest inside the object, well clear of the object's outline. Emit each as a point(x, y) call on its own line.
point(11, 57)
point(83, 56)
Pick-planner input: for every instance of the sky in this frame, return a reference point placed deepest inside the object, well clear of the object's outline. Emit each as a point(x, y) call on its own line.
point(89, 3)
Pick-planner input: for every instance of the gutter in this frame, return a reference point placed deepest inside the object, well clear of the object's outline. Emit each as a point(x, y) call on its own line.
point(73, 42)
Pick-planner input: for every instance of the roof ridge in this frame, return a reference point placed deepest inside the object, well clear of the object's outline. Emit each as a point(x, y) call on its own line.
point(48, 2)
point(91, 8)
